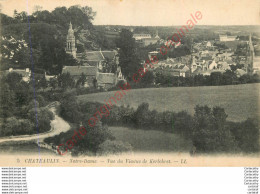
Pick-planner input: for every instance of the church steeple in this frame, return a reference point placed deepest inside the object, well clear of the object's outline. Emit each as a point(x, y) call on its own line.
point(71, 43)
point(157, 36)
point(251, 53)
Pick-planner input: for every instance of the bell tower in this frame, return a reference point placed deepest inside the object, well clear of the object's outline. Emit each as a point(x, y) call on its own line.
point(71, 43)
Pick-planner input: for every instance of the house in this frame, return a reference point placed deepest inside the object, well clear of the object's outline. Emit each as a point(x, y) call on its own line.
point(25, 73)
point(149, 41)
point(106, 80)
point(213, 65)
point(184, 70)
point(208, 44)
point(240, 72)
point(49, 77)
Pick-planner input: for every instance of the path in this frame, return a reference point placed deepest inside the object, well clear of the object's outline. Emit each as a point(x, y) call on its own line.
point(58, 125)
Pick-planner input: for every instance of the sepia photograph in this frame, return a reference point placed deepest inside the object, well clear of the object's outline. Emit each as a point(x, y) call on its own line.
point(129, 83)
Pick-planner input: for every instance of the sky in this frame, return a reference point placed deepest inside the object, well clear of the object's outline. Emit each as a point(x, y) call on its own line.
point(152, 12)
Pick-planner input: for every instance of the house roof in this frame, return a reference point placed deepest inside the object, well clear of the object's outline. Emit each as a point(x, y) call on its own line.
point(106, 78)
point(19, 71)
point(78, 70)
point(206, 58)
point(240, 72)
point(109, 54)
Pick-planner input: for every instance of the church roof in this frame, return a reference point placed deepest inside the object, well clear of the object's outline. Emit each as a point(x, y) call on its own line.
point(94, 56)
point(78, 70)
point(100, 55)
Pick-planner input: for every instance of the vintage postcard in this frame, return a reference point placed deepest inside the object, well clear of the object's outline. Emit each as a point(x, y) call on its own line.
point(129, 83)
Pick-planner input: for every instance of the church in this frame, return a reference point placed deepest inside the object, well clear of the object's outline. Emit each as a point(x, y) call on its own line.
point(100, 67)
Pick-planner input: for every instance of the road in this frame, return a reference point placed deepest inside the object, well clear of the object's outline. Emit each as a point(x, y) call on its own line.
point(58, 125)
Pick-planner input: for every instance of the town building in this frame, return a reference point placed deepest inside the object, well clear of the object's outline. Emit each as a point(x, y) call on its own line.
point(141, 36)
point(226, 38)
point(146, 39)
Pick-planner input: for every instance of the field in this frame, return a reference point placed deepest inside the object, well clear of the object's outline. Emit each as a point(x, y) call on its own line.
point(239, 101)
point(151, 140)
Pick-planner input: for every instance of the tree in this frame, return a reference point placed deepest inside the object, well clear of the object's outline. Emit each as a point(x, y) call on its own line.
point(7, 101)
point(128, 60)
point(247, 135)
point(108, 66)
point(141, 116)
point(183, 124)
point(66, 81)
point(148, 79)
point(69, 109)
point(53, 83)
point(14, 127)
point(229, 77)
point(210, 133)
point(42, 119)
point(42, 83)
point(215, 78)
point(94, 82)
point(82, 80)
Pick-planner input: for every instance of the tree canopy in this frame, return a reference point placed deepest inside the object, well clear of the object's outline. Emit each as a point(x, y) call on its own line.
point(42, 41)
point(128, 59)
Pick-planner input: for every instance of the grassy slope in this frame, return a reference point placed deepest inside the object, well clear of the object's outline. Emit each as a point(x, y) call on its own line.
point(151, 140)
point(239, 101)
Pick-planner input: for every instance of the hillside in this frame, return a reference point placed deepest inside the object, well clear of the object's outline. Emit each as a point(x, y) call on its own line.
point(239, 101)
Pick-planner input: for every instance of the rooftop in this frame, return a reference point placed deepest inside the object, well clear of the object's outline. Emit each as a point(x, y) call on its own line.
point(100, 55)
point(78, 70)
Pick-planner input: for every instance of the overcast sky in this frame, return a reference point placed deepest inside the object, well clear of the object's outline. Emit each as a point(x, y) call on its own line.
point(153, 12)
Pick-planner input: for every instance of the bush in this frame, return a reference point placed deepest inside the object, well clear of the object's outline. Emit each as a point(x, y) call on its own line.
point(113, 147)
point(247, 135)
point(44, 117)
point(13, 127)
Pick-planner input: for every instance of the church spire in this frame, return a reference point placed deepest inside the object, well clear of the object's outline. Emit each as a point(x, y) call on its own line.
point(157, 36)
